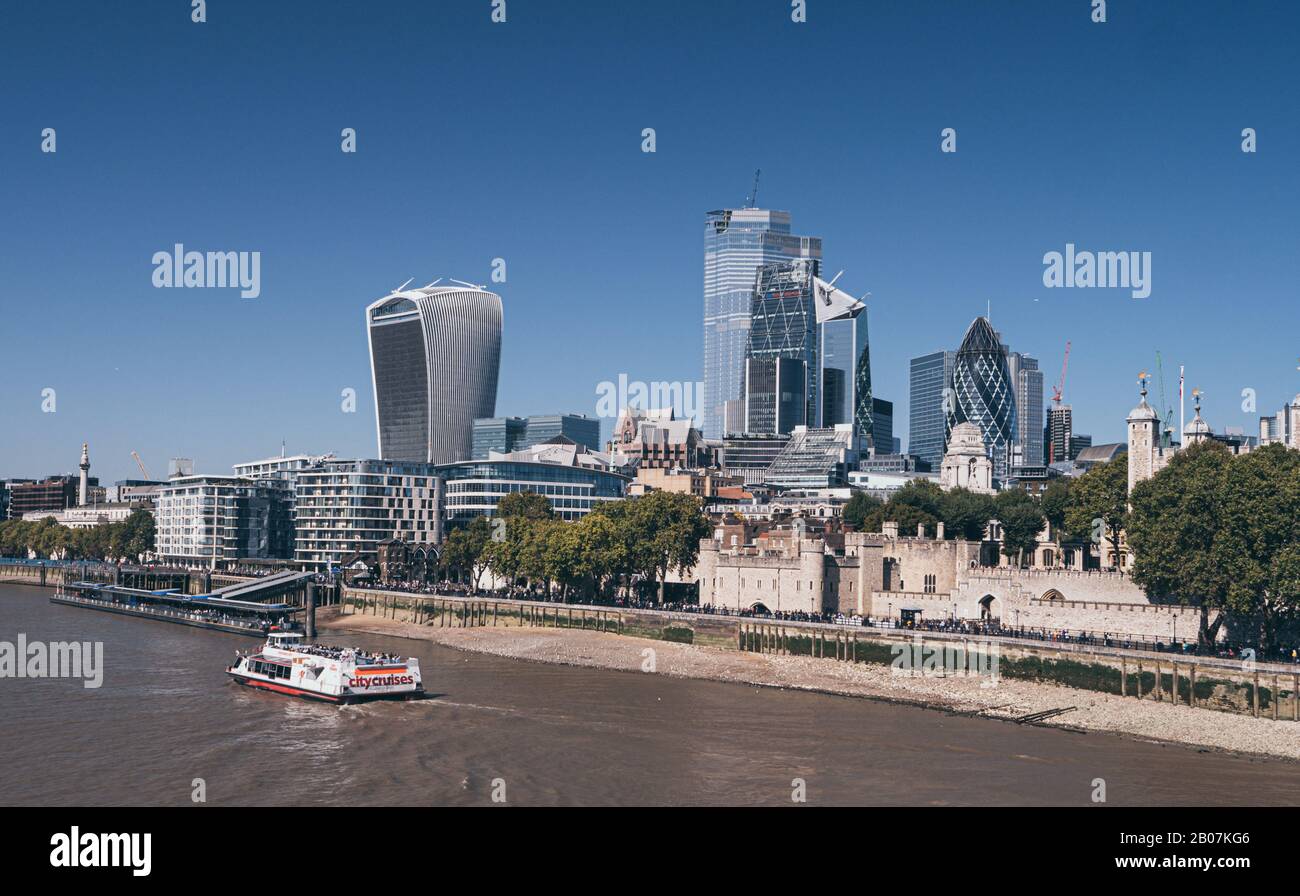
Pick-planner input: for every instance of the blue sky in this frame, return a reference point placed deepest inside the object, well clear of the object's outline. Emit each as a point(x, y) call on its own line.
point(523, 141)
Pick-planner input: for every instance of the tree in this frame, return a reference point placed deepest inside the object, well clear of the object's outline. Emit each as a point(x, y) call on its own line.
point(966, 514)
point(525, 505)
point(859, 508)
point(602, 551)
point(511, 552)
point(1054, 502)
point(465, 549)
point(1021, 520)
point(923, 494)
point(667, 528)
point(1098, 505)
point(136, 536)
point(1182, 549)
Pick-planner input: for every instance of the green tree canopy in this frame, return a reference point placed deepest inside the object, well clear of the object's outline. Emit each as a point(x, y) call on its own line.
point(1022, 520)
point(859, 509)
point(1176, 520)
point(1098, 505)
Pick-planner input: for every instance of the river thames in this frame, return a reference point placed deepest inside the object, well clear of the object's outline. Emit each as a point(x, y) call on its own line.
point(167, 714)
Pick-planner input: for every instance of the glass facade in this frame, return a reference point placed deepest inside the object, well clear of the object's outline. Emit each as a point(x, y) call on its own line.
point(401, 373)
point(580, 429)
point(782, 326)
point(1028, 381)
point(500, 434)
point(506, 434)
point(737, 242)
point(845, 358)
point(814, 458)
point(882, 425)
point(434, 356)
point(474, 488)
point(984, 394)
point(927, 433)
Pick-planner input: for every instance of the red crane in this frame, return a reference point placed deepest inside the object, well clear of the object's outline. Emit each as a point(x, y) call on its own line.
point(1059, 388)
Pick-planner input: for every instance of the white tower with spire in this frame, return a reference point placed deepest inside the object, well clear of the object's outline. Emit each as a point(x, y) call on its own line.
point(1143, 433)
point(83, 493)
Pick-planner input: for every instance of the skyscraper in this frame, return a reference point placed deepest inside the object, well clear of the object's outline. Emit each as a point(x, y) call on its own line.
point(844, 358)
point(434, 359)
point(1027, 380)
point(1059, 434)
point(781, 359)
point(737, 242)
point(927, 427)
point(984, 394)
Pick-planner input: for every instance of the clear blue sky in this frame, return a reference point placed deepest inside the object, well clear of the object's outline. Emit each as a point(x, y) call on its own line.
point(522, 140)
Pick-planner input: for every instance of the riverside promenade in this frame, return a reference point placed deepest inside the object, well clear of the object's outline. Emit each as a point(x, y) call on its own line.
point(1262, 690)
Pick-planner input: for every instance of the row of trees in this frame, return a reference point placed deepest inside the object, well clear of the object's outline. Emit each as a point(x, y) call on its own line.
point(640, 539)
point(130, 539)
point(1091, 508)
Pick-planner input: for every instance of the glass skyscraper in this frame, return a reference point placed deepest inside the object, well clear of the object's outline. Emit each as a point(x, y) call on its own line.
point(737, 242)
point(781, 360)
point(927, 427)
point(1028, 382)
point(984, 393)
point(434, 358)
point(844, 357)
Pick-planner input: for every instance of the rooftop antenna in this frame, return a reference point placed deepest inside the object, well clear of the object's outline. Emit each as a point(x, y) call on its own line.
point(404, 285)
point(752, 201)
point(470, 285)
point(434, 283)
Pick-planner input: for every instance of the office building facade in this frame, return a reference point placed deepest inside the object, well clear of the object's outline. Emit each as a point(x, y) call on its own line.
point(737, 242)
point(345, 508)
point(929, 390)
point(213, 521)
point(573, 478)
point(505, 434)
point(1058, 435)
point(1027, 449)
point(435, 353)
point(782, 360)
point(882, 426)
point(844, 365)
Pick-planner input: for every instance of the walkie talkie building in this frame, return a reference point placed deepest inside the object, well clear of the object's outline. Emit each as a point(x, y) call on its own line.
point(983, 392)
point(434, 359)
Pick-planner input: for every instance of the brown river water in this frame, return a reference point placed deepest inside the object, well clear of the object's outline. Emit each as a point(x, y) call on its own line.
point(166, 714)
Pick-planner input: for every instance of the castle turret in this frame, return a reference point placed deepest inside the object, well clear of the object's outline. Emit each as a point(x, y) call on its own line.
point(1143, 430)
point(1197, 429)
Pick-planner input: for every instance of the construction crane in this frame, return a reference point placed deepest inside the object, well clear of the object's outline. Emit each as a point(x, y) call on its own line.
point(752, 200)
point(140, 464)
point(1166, 409)
point(1059, 389)
point(1057, 392)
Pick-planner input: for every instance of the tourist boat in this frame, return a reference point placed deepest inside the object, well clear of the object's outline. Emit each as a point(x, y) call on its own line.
point(287, 664)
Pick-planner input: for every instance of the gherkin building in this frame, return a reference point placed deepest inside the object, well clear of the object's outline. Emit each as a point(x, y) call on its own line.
point(983, 394)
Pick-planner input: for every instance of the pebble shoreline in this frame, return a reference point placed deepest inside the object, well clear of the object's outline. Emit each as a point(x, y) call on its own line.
point(1008, 700)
